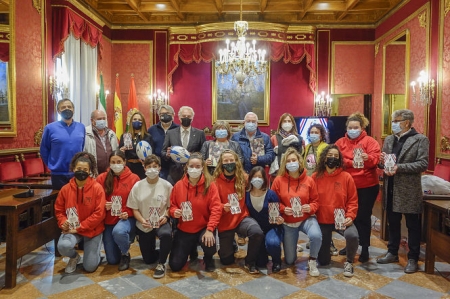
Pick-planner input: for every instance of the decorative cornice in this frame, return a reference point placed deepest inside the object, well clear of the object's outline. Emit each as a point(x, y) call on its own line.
point(447, 7)
point(38, 5)
point(445, 144)
point(377, 47)
point(423, 19)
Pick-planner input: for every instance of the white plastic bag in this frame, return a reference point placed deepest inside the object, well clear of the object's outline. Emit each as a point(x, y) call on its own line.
point(432, 184)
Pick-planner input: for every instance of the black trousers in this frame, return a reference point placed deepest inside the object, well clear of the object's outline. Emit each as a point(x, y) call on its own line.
point(183, 244)
point(363, 220)
point(413, 223)
point(147, 244)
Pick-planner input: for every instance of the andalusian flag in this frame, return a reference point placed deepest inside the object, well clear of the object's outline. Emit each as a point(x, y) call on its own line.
point(118, 124)
point(132, 101)
point(102, 96)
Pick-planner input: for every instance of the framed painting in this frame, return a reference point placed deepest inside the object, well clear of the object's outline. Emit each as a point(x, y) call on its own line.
point(231, 101)
point(5, 105)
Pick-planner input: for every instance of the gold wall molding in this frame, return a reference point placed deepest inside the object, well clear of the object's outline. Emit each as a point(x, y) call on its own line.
point(447, 7)
point(38, 136)
point(377, 47)
point(38, 5)
point(423, 19)
point(445, 143)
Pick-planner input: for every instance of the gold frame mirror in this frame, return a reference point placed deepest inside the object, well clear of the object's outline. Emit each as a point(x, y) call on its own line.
point(395, 74)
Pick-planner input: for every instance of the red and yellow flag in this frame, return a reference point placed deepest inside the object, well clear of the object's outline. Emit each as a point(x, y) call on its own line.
point(132, 101)
point(118, 124)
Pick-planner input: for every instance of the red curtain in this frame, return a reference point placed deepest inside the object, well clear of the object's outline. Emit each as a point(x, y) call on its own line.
point(207, 51)
point(4, 52)
point(66, 21)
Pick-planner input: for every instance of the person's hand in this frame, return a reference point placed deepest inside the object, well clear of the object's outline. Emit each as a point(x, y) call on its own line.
point(146, 224)
point(108, 205)
point(365, 156)
point(306, 208)
point(280, 220)
point(254, 159)
point(162, 220)
point(208, 238)
point(70, 231)
point(382, 158)
point(65, 226)
point(227, 207)
point(123, 215)
point(177, 213)
point(208, 162)
point(288, 211)
point(391, 173)
point(168, 151)
point(123, 149)
point(348, 222)
point(275, 150)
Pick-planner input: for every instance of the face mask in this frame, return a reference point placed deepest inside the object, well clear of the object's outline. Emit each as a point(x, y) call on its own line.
point(117, 168)
point(292, 166)
point(81, 175)
point(314, 137)
point(353, 134)
point(137, 125)
point(332, 162)
point(221, 133)
point(194, 172)
point(230, 167)
point(251, 127)
point(287, 127)
point(152, 173)
point(66, 114)
point(186, 122)
point(165, 118)
point(100, 124)
point(257, 182)
point(396, 128)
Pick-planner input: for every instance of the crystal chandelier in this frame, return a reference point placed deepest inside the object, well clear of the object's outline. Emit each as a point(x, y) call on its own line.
point(240, 59)
point(322, 105)
point(425, 91)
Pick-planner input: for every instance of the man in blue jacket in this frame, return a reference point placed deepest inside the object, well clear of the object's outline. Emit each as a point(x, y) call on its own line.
point(256, 146)
point(60, 142)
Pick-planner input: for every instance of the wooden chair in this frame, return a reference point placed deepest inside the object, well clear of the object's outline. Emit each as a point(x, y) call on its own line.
point(33, 169)
point(11, 171)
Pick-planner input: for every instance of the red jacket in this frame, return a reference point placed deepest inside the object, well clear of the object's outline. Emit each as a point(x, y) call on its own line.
point(122, 187)
point(89, 202)
point(229, 221)
point(206, 209)
point(336, 190)
point(367, 176)
point(304, 187)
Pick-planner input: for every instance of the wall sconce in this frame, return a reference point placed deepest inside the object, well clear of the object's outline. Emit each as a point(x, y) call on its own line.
point(322, 104)
point(425, 89)
point(158, 99)
point(58, 85)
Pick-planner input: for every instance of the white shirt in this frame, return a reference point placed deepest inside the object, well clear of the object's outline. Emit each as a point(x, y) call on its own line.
point(257, 201)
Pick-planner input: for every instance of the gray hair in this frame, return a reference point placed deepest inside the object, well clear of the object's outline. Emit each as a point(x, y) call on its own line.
point(167, 107)
point(406, 114)
point(63, 101)
point(185, 108)
point(251, 113)
point(98, 111)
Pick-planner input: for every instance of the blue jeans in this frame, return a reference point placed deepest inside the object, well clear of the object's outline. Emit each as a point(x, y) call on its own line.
point(271, 246)
point(116, 239)
point(311, 228)
point(91, 256)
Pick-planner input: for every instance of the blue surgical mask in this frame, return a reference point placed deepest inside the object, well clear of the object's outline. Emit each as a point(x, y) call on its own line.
point(100, 124)
point(353, 134)
point(221, 133)
point(314, 137)
point(292, 166)
point(257, 182)
point(251, 127)
point(137, 125)
point(396, 128)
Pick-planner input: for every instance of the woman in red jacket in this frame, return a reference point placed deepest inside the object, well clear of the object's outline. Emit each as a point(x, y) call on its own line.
point(231, 181)
point(80, 211)
point(120, 224)
point(195, 203)
point(298, 201)
point(361, 154)
point(338, 205)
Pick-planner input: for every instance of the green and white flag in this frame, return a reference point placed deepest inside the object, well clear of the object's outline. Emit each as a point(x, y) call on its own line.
point(102, 96)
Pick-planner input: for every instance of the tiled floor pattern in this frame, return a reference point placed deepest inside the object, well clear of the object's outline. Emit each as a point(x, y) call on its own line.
point(42, 276)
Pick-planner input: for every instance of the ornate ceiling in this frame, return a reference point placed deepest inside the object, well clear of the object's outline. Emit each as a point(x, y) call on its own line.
point(196, 12)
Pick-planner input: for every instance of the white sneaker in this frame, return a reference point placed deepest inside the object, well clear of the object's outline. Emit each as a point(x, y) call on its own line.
point(299, 248)
point(348, 269)
point(313, 271)
point(72, 264)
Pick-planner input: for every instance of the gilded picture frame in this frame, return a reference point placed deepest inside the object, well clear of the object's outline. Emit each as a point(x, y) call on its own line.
point(231, 102)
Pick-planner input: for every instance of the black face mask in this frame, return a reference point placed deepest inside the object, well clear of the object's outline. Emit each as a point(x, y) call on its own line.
point(66, 114)
point(332, 162)
point(165, 118)
point(230, 167)
point(81, 175)
point(186, 122)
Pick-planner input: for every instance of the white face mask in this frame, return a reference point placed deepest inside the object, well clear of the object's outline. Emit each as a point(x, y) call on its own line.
point(194, 172)
point(287, 127)
point(257, 182)
point(292, 166)
point(152, 173)
point(117, 168)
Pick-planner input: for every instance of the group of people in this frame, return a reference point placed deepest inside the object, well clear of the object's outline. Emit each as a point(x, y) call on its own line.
point(224, 190)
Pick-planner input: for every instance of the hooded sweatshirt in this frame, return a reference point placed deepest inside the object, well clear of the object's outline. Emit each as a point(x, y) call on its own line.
point(122, 187)
point(89, 203)
point(303, 187)
point(367, 176)
point(229, 221)
point(206, 209)
point(336, 190)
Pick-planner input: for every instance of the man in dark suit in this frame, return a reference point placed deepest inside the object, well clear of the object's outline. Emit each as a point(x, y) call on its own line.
point(186, 136)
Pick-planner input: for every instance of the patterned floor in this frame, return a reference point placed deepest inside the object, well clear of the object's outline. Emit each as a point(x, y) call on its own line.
point(42, 276)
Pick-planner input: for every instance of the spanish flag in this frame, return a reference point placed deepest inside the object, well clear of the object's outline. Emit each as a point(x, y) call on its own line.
point(118, 124)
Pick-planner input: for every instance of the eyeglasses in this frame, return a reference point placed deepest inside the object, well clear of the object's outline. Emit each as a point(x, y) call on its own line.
point(398, 121)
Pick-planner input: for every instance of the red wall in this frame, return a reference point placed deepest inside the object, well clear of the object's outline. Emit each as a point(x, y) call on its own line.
point(351, 104)
point(395, 69)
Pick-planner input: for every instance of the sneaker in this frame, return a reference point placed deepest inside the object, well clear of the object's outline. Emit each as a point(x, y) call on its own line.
point(348, 269)
point(160, 271)
point(276, 267)
point(209, 264)
point(251, 268)
point(241, 241)
point(72, 264)
point(299, 248)
point(343, 251)
point(333, 250)
point(124, 263)
point(313, 271)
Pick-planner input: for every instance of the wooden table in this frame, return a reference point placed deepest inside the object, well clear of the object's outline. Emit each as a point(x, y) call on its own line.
point(39, 184)
point(438, 232)
point(33, 232)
